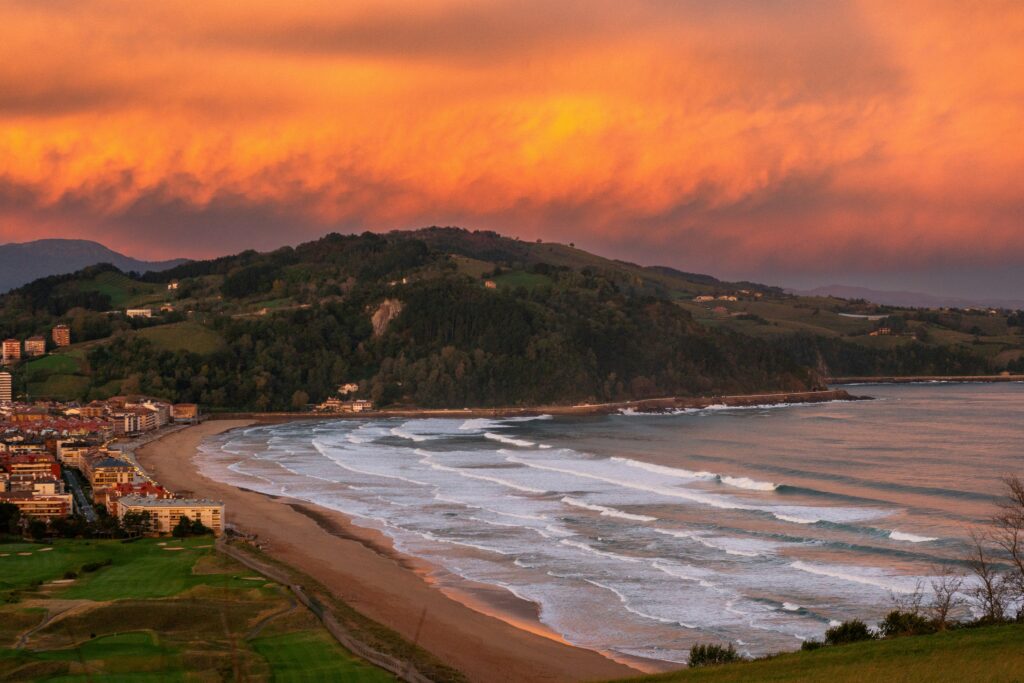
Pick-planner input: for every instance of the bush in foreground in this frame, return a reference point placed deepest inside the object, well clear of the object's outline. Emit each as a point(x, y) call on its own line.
point(900, 623)
point(852, 631)
point(712, 655)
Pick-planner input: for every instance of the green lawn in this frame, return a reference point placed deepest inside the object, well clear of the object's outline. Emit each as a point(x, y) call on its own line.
point(311, 656)
point(55, 363)
point(184, 336)
point(56, 376)
point(21, 564)
point(156, 614)
point(145, 569)
point(138, 570)
point(520, 279)
point(122, 290)
point(992, 655)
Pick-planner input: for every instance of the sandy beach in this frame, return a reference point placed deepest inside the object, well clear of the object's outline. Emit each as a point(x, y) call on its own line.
point(360, 567)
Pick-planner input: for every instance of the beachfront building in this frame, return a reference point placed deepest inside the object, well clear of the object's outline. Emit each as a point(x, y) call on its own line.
point(35, 346)
point(5, 387)
point(11, 351)
point(165, 513)
point(185, 412)
point(145, 489)
point(61, 335)
point(336, 405)
point(104, 472)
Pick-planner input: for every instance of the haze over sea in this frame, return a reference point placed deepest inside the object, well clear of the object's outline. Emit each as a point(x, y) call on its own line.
point(642, 534)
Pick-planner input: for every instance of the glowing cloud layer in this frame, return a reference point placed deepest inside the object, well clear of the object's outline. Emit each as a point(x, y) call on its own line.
point(730, 135)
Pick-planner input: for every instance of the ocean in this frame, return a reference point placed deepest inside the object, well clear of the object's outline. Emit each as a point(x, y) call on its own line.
point(639, 535)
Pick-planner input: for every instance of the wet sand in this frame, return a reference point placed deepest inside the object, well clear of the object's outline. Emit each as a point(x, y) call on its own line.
point(483, 632)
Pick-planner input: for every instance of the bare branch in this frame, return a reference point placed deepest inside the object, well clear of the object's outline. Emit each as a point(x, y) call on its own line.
point(991, 593)
point(946, 595)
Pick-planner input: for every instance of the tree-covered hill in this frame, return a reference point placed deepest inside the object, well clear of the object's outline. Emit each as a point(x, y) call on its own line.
point(443, 317)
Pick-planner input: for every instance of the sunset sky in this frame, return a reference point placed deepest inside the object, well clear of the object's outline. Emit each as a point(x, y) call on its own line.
point(794, 142)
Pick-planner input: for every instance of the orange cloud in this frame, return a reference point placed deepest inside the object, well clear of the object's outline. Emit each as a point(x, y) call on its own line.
point(732, 135)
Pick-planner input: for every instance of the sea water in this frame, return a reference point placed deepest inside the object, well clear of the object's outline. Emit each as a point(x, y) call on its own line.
point(643, 534)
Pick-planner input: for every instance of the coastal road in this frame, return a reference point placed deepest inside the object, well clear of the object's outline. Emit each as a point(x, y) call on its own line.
point(73, 479)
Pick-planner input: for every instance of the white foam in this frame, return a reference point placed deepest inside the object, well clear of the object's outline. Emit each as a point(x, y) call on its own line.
point(402, 434)
point(428, 460)
point(371, 473)
point(796, 520)
point(523, 443)
point(790, 607)
point(629, 608)
point(607, 511)
point(661, 469)
point(434, 537)
point(910, 538)
point(601, 553)
point(730, 546)
point(478, 424)
point(851, 574)
point(684, 572)
point(660, 490)
point(749, 484)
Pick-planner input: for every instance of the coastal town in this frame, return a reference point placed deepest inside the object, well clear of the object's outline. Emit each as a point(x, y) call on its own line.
point(63, 460)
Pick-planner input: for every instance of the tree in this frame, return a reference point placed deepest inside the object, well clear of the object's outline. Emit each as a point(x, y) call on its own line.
point(10, 518)
point(991, 592)
point(1009, 534)
point(136, 523)
point(36, 529)
point(183, 528)
point(852, 631)
point(712, 655)
point(300, 399)
point(946, 596)
point(200, 529)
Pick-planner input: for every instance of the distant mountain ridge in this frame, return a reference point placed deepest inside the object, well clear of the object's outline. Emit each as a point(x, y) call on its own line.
point(907, 299)
point(23, 262)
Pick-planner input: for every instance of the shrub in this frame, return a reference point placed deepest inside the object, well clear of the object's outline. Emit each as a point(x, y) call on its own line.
point(712, 655)
point(898, 623)
point(852, 631)
point(809, 645)
point(70, 574)
point(90, 567)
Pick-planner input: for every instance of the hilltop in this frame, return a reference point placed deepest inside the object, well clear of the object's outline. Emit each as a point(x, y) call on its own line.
point(445, 317)
point(21, 263)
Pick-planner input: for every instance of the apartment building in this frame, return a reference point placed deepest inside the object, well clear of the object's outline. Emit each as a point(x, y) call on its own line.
point(165, 512)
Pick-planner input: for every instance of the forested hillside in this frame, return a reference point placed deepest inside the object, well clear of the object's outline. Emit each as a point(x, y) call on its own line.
point(437, 317)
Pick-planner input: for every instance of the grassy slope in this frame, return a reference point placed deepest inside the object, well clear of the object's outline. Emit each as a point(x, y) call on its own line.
point(184, 336)
point(156, 614)
point(122, 290)
point(984, 654)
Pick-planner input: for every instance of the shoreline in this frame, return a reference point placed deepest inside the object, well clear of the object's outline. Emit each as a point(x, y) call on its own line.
point(926, 379)
point(473, 628)
point(652, 405)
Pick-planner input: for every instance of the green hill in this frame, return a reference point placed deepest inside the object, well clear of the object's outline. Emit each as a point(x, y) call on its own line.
point(991, 654)
point(449, 317)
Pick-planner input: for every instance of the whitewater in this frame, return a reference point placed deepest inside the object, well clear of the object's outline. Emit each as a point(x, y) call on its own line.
point(643, 534)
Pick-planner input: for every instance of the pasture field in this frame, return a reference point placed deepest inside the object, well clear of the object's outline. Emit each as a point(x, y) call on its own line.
point(156, 610)
point(992, 654)
point(122, 290)
point(55, 363)
point(184, 336)
point(518, 278)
